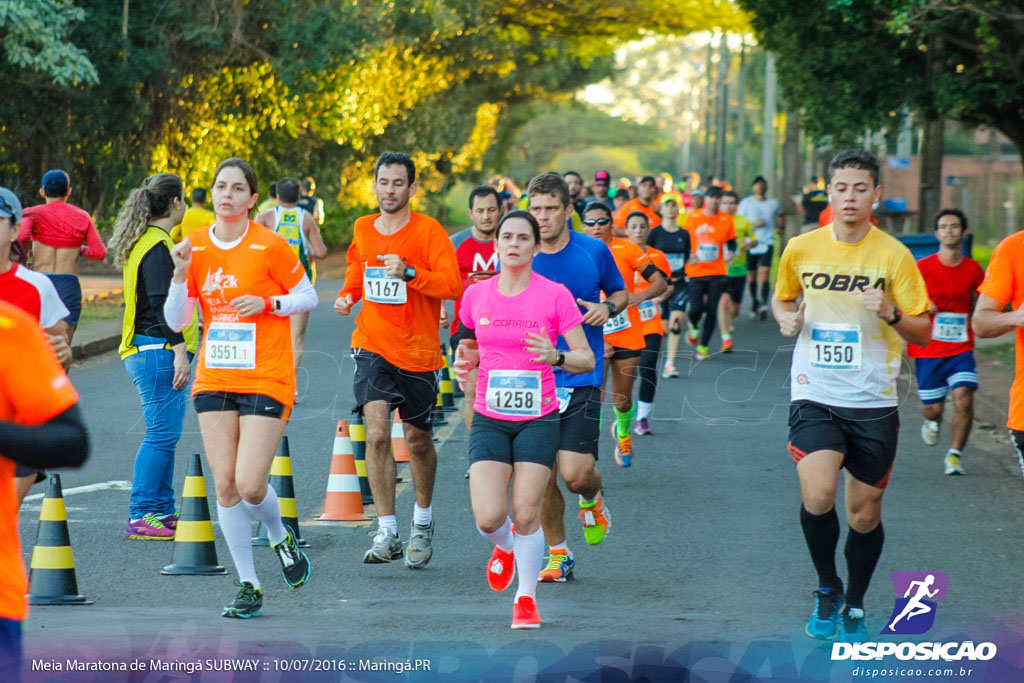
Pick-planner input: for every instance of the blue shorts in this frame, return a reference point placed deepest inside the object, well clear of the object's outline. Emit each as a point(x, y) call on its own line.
point(69, 289)
point(935, 376)
point(10, 649)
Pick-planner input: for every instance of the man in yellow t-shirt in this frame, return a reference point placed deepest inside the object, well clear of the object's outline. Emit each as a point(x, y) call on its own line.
point(196, 217)
point(863, 296)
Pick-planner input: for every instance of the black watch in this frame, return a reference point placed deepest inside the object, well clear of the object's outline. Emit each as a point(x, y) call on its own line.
point(613, 310)
point(559, 359)
point(409, 273)
point(897, 315)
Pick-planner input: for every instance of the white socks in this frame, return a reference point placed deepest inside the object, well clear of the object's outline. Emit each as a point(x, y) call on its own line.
point(503, 537)
point(388, 522)
point(529, 552)
point(237, 530)
point(562, 545)
point(268, 511)
point(422, 516)
point(644, 410)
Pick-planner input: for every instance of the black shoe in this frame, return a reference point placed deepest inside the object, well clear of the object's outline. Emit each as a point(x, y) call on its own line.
point(294, 562)
point(247, 603)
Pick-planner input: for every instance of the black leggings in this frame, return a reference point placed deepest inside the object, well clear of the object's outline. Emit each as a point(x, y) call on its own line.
point(705, 293)
point(648, 369)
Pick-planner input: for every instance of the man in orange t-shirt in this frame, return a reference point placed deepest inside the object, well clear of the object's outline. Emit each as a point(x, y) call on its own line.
point(1004, 284)
point(40, 427)
point(713, 247)
point(403, 265)
point(624, 333)
point(646, 201)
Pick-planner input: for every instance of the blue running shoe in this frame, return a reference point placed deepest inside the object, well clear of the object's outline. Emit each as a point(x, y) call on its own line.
point(824, 621)
point(851, 626)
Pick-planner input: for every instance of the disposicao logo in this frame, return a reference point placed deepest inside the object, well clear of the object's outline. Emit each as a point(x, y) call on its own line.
point(913, 614)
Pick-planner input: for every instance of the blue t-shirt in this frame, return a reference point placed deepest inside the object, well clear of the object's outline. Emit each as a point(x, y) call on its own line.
point(586, 267)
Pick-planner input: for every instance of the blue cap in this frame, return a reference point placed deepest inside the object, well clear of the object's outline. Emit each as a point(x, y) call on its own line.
point(55, 183)
point(10, 206)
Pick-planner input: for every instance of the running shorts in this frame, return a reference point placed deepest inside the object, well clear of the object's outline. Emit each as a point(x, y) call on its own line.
point(624, 354)
point(734, 287)
point(23, 471)
point(677, 302)
point(413, 393)
point(243, 404)
point(511, 441)
point(760, 260)
point(69, 289)
point(935, 376)
point(580, 421)
point(865, 436)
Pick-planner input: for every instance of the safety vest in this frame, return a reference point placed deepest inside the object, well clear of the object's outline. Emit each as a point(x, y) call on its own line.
point(288, 224)
point(153, 237)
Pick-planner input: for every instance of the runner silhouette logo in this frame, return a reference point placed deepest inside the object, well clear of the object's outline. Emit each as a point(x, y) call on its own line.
point(916, 592)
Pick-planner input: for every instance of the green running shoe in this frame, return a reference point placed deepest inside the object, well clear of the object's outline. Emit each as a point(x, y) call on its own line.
point(247, 603)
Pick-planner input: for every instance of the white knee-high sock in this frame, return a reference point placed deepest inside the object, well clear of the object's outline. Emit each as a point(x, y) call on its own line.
point(237, 530)
point(503, 537)
point(268, 511)
point(529, 558)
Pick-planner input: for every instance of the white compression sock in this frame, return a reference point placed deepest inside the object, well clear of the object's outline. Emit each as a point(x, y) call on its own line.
point(237, 530)
point(644, 409)
point(529, 558)
point(503, 537)
point(422, 516)
point(268, 511)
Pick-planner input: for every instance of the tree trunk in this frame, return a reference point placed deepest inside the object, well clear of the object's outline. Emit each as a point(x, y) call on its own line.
point(722, 134)
point(741, 119)
point(792, 170)
point(932, 149)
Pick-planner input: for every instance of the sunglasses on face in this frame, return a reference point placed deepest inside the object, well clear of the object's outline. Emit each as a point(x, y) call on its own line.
point(597, 221)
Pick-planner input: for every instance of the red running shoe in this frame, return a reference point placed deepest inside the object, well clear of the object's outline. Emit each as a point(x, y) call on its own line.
point(524, 613)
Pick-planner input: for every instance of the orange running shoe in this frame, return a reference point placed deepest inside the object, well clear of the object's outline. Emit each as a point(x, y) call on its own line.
point(727, 345)
point(623, 448)
point(501, 569)
point(524, 613)
point(558, 569)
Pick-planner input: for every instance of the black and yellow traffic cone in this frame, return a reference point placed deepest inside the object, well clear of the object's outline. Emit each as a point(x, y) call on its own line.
point(437, 416)
point(445, 386)
point(281, 480)
point(195, 553)
point(357, 434)
point(52, 571)
point(457, 393)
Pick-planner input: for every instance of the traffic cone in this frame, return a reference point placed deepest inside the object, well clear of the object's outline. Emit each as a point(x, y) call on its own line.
point(357, 432)
point(437, 417)
point(281, 480)
point(52, 571)
point(399, 448)
point(195, 553)
point(456, 391)
point(445, 386)
point(343, 502)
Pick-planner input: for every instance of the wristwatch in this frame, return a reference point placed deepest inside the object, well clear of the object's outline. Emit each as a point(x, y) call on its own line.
point(559, 359)
point(409, 273)
point(897, 315)
point(613, 310)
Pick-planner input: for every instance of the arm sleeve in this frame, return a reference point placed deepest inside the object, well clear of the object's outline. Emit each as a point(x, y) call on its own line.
point(731, 244)
point(178, 307)
point(353, 273)
point(155, 272)
point(93, 249)
point(300, 299)
point(441, 279)
point(61, 441)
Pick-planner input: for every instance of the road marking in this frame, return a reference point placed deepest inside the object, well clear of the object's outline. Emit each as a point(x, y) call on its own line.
point(107, 485)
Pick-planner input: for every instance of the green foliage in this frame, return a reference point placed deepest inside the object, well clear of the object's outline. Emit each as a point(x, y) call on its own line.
point(36, 38)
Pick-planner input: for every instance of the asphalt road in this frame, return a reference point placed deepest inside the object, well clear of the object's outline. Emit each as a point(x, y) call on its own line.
point(704, 559)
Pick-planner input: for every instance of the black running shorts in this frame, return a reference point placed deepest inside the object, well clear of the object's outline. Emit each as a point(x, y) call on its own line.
point(734, 287)
point(865, 436)
point(510, 441)
point(581, 421)
point(413, 393)
point(243, 404)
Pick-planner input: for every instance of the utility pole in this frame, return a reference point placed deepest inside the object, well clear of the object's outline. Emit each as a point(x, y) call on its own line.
point(768, 134)
point(741, 118)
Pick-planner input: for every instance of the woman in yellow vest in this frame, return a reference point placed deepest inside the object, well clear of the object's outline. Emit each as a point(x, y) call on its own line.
point(156, 357)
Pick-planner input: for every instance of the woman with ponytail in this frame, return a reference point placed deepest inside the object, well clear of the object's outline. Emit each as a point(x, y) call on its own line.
point(156, 357)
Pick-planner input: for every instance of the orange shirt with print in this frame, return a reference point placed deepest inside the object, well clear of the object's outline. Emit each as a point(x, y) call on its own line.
point(261, 264)
point(33, 389)
point(660, 261)
point(631, 260)
point(405, 334)
point(1004, 282)
point(653, 217)
point(708, 237)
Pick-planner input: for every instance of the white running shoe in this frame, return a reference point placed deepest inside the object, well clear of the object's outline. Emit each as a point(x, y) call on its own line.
point(930, 432)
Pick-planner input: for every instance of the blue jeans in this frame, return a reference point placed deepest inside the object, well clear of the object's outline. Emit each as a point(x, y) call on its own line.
point(164, 411)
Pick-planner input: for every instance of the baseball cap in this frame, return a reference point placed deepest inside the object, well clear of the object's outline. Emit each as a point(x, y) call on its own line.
point(714, 191)
point(603, 175)
point(10, 206)
point(55, 183)
point(647, 179)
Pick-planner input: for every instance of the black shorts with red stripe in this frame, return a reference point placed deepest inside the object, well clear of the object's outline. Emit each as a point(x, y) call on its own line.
point(866, 437)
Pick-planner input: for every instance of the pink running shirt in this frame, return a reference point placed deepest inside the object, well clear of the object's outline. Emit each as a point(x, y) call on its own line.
point(510, 385)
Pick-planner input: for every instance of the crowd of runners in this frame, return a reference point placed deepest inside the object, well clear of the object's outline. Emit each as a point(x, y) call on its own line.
point(555, 302)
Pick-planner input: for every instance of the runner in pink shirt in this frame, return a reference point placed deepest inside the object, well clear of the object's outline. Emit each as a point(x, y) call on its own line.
point(511, 324)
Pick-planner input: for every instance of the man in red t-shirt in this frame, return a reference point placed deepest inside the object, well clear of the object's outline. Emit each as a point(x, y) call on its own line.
point(474, 249)
point(948, 360)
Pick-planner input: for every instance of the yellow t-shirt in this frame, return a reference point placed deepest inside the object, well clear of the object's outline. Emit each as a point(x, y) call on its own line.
point(845, 355)
point(194, 219)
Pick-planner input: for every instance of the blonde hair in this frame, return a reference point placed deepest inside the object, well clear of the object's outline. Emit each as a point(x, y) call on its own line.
point(152, 200)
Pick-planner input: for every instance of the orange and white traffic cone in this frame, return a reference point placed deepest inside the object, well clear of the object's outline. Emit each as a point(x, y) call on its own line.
point(343, 502)
point(399, 447)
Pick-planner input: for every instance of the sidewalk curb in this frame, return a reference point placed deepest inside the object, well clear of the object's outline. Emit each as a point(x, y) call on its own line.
point(95, 347)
